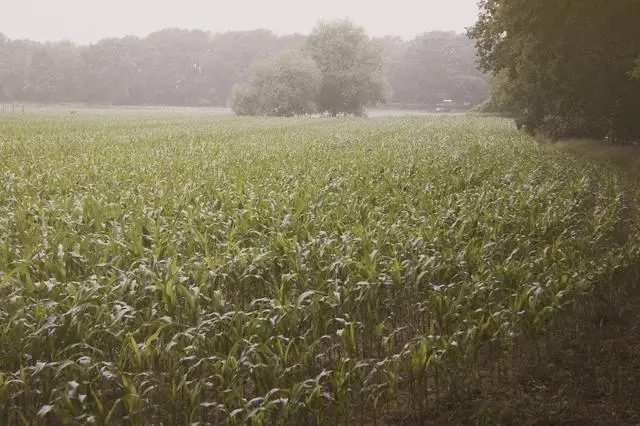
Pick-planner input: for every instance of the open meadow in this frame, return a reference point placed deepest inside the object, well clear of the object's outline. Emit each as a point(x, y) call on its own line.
point(191, 269)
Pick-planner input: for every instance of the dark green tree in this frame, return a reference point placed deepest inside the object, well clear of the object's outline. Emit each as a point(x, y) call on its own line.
point(565, 67)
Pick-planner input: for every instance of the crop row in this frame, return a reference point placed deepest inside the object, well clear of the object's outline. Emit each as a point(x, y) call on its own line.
point(173, 270)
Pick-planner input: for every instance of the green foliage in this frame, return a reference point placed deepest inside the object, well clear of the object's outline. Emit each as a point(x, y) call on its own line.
point(174, 269)
point(352, 67)
point(501, 88)
point(284, 86)
point(564, 66)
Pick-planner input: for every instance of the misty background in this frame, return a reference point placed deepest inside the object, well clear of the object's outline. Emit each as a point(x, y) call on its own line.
point(114, 53)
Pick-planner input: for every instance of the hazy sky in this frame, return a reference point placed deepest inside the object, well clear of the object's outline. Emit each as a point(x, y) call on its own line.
point(90, 20)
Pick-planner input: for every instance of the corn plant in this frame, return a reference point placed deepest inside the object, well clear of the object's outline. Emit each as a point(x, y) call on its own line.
point(175, 269)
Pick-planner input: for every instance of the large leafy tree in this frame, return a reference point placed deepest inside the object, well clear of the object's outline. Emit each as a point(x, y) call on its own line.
point(352, 67)
point(565, 67)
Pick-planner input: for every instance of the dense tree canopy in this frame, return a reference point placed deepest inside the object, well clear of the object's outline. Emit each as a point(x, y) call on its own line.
point(284, 86)
point(565, 67)
point(352, 67)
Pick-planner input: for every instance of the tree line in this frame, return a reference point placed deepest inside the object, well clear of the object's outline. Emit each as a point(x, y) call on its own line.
point(197, 68)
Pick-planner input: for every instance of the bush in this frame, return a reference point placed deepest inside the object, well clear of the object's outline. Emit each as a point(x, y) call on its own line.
point(284, 86)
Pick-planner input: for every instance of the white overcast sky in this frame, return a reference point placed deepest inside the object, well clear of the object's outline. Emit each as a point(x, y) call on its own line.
point(90, 20)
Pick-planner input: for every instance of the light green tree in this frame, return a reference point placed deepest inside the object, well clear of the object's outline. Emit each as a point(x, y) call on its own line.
point(352, 67)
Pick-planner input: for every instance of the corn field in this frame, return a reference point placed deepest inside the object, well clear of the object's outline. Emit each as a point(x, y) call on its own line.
point(183, 269)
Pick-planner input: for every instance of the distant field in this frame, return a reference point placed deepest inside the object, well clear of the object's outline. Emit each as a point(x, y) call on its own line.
point(84, 109)
point(179, 268)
